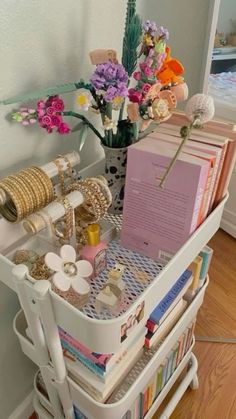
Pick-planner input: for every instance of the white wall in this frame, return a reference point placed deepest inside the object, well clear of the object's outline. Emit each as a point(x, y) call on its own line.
point(43, 43)
point(227, 12)
point(187, 22)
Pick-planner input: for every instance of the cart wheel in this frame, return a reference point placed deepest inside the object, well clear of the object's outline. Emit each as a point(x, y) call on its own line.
point(194, 383)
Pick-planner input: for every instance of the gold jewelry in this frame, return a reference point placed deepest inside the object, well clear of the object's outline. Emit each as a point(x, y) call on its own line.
point(40, 270)
point(64, 226)
point(61, 175)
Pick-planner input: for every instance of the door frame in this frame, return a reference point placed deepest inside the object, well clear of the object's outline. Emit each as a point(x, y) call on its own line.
point(213, 14)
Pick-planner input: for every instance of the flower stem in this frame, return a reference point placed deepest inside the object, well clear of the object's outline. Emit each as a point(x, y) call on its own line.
point(85, 120)
point(184, 140)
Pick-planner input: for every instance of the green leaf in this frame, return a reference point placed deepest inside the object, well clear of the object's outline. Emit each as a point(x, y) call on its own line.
point(78, 127)
point(83, 136)
point(132, 38)
point(50, 91)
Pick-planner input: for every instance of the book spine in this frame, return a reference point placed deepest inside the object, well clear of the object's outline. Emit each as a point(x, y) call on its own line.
point(181, 341)
point(166, 302)
point(94, 368)
point(199, 197)
point(144, 402)
point(203, 209)
point(164, 375)
point(227, 170)
point(159, 379)
point(218, 177)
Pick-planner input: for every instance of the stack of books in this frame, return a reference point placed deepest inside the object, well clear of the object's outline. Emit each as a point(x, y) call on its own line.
point(161, 376)
point(99, 374)
point(168, 311)
point(158, 221)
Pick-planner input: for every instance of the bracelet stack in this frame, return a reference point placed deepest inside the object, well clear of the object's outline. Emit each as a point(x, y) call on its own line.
point(26, 192)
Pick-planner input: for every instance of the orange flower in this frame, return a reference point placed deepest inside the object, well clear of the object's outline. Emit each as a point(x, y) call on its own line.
point(170, 71)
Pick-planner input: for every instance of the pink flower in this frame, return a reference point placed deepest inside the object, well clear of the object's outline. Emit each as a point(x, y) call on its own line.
point(49, 130)
point(50, 110)
point(63, 128)
point(40, 104)
point(41, 112)
point(146, 87)
point(148, 71)
point(137, 75)
point(46, 120)
point(142, 66)
point(56, 120)
point(135, 96)
point(58, 104)
point(25, 122)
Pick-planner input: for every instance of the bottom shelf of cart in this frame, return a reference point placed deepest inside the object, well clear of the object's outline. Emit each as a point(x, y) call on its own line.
point(94, 410)
point(184, 384)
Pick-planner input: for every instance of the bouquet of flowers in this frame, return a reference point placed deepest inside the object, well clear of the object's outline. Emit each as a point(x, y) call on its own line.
point(146, 62)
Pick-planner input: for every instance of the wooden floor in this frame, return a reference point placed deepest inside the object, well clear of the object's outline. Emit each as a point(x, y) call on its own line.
point(216, 396)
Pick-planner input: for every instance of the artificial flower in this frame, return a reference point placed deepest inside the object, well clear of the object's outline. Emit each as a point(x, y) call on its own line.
point(170, 70)
point(108, 74)
point(200, 109)
point(83, 101)
point(137, 75)
point(49, 117)
point(135, 96)
point(63, 128)
point(150, 27)
point(163, 32)
point(69, 273)
point(25, 116)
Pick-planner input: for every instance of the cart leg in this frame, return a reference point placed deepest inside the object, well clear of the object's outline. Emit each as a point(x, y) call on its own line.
point(194, 383)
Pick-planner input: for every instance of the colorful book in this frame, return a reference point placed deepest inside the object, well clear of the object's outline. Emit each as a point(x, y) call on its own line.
point(195, 268)
point(144, 402)
point(159, 379)
point(153, 339)
point(151, 391)
point(100, 364)
point(152, 327)
point(174, 363)
point(91, 383)
point(175, 294)
point(169, 368)
point(158, 221)
point(180, 351)
point(206, 255)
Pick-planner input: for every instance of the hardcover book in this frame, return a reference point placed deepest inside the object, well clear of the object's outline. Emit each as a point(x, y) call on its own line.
point(175, 292)
point(158, 221)
point(153, 339)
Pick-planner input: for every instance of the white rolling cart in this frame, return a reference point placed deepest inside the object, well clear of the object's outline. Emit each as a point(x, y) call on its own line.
point(43, 311)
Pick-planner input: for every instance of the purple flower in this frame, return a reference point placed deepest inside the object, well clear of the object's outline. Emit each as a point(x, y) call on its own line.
point(108, 74)
point(110, 94)
point(163, 32)
point(150, 27)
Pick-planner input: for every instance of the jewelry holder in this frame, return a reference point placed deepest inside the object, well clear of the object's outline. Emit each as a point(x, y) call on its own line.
point(50, 215)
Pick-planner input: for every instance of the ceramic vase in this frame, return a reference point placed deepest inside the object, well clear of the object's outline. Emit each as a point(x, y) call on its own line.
point(115, 170)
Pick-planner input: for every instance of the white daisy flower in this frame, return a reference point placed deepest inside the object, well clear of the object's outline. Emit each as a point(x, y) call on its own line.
point(69, 273)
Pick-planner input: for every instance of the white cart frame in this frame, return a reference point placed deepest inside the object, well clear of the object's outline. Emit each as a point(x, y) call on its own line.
point(44, 311)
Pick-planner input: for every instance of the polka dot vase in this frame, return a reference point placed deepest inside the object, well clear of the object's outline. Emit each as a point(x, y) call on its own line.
point(115, 170)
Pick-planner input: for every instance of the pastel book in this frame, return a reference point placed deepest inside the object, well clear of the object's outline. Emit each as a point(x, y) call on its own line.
point(206, 255)
point(215, 130)
point(172, 297)
point(214, 152)
point(164, 136)
point(92, 384)
point(195, 268)
point(158, 221)
point(101, 364)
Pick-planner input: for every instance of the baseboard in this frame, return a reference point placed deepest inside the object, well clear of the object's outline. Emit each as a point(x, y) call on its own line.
point(25, 409)
point(228, 227)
